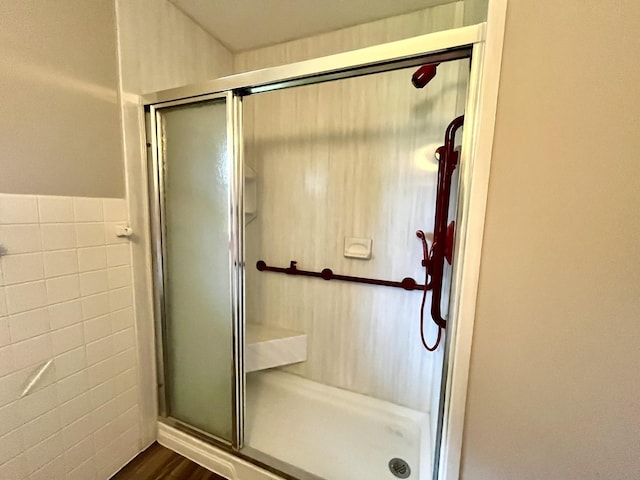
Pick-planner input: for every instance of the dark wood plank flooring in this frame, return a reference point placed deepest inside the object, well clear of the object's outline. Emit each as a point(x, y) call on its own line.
point(158, 462)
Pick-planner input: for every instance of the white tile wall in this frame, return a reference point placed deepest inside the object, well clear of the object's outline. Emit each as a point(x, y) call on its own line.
point(66, 295)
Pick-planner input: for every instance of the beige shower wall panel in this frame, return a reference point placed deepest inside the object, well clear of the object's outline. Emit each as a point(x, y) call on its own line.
point(160, 48)
point(475, 11)
point(390, 29)
point(349, 158)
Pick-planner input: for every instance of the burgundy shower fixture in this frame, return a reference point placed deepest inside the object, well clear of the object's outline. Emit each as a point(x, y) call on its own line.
point(424, 75)
point(443, 233)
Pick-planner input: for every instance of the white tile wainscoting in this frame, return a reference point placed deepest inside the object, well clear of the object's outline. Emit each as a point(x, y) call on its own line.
point(66, 300)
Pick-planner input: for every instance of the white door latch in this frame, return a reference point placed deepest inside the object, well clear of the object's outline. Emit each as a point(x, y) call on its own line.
point(124, 231)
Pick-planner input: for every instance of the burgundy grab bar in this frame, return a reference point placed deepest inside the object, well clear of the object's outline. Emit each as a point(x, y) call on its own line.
point(442, 244)
point(407, 283)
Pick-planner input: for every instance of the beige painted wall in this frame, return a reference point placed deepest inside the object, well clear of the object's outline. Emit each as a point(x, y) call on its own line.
point(59, 106)
point(555, 379)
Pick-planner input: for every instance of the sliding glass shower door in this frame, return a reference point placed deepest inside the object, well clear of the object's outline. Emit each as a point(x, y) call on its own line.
point(195, 175)
point(344, 157)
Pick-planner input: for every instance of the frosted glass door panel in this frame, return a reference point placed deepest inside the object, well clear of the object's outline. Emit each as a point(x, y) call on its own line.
point(198, 318)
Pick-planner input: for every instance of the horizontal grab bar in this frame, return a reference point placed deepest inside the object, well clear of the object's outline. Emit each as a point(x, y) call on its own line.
point(407, 283)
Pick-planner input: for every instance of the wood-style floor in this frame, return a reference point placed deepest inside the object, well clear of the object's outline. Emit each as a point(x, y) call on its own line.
point(158, 462)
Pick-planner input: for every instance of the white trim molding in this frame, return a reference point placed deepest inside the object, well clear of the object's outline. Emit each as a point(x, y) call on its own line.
point(478, 146)
point(210, 457)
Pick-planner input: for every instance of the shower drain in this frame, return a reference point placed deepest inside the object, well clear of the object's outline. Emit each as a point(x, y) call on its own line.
point(399, 468)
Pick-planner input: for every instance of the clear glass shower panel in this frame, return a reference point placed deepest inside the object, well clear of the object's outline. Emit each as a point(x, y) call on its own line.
point(198, 344)
point(352, 162)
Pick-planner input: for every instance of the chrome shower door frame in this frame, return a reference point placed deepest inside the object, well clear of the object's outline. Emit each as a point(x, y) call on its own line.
point(157, 189)
point(431, 48)
point(484, 47)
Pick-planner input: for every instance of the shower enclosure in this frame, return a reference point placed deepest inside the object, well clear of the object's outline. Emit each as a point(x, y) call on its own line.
point(285, 204)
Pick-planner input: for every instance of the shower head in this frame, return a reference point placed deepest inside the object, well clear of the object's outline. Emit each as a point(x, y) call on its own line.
point(424, 75)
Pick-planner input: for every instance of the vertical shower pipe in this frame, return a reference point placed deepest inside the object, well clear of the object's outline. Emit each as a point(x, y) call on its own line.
point(442, 244)
point(442, 233)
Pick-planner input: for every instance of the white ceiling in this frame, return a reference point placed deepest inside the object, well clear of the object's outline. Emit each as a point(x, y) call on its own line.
point(247, 24)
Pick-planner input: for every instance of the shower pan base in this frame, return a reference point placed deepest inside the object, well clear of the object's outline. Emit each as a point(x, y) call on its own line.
point(304, 423)
point(333, 433)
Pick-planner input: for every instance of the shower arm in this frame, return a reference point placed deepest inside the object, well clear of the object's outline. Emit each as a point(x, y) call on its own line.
point(442, 245)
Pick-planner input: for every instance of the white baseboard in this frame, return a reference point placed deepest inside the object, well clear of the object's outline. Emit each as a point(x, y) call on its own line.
point(210, 457)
